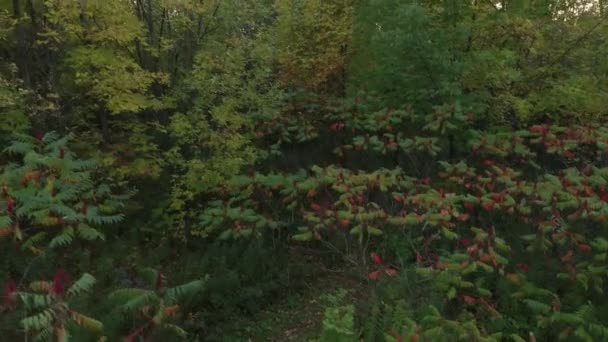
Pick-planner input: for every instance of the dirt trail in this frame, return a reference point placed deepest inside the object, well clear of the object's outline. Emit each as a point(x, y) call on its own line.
point(297, 316)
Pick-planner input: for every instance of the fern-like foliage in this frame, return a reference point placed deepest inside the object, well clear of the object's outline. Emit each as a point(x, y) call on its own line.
point(82, 285)
point(178, 293)
point(154, 306)
point(48, 189)
point(48, 308)
point(338, 323)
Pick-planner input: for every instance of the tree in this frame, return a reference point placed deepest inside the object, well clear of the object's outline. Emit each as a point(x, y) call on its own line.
point(313, 38)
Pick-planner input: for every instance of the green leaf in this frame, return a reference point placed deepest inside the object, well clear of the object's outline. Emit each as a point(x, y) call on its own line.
point(306, 236)
point(63, 239)
point(89, 233)
point(176, 294)
point(83, 284)
point(374, 231)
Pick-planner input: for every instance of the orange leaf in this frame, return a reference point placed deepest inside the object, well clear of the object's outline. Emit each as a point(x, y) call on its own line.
point(6, 231)
point(396, 336)
point(568, 257)
point(463, 217)
point(170, 310)
point(374, 275)
point(60, 333)
point(488, 205)
point(513, 278)
point(391, 272)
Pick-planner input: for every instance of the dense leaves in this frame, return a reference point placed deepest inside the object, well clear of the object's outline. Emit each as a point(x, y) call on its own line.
point(451, 155)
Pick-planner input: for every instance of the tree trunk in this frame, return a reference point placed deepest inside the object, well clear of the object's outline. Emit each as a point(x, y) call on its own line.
point(105, 127)
point(16, 9)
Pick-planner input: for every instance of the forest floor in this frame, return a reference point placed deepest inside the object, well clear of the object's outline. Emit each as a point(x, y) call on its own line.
point(298, 315)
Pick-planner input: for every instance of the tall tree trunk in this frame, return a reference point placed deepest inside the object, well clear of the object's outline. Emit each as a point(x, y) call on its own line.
point(29, 7)
point(16, 9)
point(102, 116)
point(21, 45)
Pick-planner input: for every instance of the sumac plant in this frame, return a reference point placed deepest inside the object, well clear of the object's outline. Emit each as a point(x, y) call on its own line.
point(507, 227)
point(48, 196)
point(152, 309)
point(47, 307)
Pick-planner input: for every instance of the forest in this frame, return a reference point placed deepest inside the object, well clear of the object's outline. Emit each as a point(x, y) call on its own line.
point(303, 170)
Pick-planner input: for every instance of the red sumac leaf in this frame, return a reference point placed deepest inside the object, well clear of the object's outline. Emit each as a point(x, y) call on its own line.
point(497, 197)
point(135, 334)
point(568, 257)
point(584, 247)
point(374, 275)
point(556, 305)
point(10, 204)
point(442, 193)
point(60, 282)
point(377, 259)
point(538, 129)
point(8, 291)
point(469, 300)
point(158, 282)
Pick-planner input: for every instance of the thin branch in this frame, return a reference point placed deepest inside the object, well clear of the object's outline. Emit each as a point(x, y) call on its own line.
point(577, 41)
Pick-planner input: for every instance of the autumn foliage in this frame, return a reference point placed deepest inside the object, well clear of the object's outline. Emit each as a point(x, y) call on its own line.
point(170, 170)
